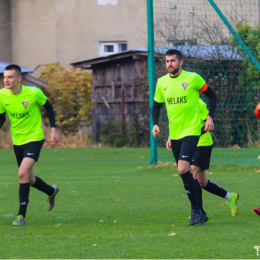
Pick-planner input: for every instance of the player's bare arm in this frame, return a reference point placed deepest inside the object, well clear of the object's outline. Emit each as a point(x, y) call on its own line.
point(209, 125)
point(54, 136)
point(168, 144)
point(156, 131)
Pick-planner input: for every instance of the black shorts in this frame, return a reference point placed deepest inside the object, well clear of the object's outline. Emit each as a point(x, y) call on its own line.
point(184, 149)
point(201, 157)
point(29, 150)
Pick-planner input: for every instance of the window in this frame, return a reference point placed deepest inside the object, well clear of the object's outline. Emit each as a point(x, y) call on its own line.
point(122, 47)
point(107, 48)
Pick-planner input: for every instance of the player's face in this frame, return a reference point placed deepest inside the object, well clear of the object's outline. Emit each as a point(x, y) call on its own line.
point(173, 65)
point(11, 80)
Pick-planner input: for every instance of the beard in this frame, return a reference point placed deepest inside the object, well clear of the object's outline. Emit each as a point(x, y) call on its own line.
point(174, 71)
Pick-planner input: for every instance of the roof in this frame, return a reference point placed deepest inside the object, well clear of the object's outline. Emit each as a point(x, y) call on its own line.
point(205, 52)
point(107, 58)
point(4, 64)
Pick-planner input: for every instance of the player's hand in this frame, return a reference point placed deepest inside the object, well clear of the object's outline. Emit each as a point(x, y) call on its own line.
point(169, 144)
point(156, 131)
point(54, 136)
point(209, 125)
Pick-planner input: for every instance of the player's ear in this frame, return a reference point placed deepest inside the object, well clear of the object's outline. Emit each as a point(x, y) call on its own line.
point(19, 78)
point(181, 62)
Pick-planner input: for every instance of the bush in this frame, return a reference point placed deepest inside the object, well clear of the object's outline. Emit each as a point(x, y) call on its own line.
point(112, 134)
point(69, 91)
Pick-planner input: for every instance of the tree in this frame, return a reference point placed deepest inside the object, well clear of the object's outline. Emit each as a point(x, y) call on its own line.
point(69, 91)
point(250, 36)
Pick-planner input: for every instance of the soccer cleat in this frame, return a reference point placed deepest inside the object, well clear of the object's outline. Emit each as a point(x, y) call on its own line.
point(232, 202)
point(19, 221)
point(203, 219)
point(257, 211)
point(195, 217)
point(50, 199)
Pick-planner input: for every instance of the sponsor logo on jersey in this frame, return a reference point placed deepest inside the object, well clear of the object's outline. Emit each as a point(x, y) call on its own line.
point(185, 85)
point(7, 104)
point(25, 104)
point(176, 100)
point(19, 115)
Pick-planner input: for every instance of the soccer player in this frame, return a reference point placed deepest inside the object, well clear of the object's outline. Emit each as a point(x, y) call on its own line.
point(200, 163)
point(257, 114)
point(21, 103)
point(179, 90)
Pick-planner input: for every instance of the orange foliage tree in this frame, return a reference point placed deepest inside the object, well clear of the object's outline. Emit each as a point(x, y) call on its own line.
point(69, 91)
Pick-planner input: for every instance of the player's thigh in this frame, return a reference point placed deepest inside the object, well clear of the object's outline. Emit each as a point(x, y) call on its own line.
point(195, 170)
point(32, 150)
point(19, 153)
point(26, 166)
point(188, 148)
point(201, 157)
point(176, 149)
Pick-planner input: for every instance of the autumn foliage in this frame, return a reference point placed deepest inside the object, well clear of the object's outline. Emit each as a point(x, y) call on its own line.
point(69, 91)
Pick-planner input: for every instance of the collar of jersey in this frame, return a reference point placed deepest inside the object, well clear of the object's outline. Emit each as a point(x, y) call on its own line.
point(176, 76)
point(22, 86)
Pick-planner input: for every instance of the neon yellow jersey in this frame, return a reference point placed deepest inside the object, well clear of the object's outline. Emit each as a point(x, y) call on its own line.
point(205, 139)
point(24, 113)
point(181, 98)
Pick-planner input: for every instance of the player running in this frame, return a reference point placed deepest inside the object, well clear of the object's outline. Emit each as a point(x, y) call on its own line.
point(200, 163)
point(21, 103)
point(179, 90)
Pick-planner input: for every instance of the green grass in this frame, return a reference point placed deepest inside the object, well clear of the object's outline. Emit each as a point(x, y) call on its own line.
point(152, 201)
point(222, 154)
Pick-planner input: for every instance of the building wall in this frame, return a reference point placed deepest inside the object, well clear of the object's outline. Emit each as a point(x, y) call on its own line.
point(66, 31)
point(5, 31)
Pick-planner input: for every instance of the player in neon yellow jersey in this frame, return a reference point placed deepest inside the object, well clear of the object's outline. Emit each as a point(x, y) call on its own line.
point(21, 104)
point(179, 90)
point(200, 163)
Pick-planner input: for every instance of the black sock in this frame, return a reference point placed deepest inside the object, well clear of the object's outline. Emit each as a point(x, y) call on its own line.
point(43, 186)
point(24, 191)
point(190, 188)
point(200, 196)
point(214, 188)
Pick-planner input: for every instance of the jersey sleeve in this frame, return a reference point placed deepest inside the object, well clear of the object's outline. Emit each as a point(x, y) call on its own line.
point(40, 97)
point(158, 96)
point(257, 113)
point(200, 83)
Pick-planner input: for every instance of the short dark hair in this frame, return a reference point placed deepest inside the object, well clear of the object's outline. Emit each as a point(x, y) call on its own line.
point(171, 52)
point(15, 67)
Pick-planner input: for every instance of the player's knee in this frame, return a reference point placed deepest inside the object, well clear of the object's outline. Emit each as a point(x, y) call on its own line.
point(182, 169)
point(22, 175)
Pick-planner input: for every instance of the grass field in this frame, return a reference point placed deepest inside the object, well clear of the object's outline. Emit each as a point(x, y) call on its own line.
point(112, 204)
